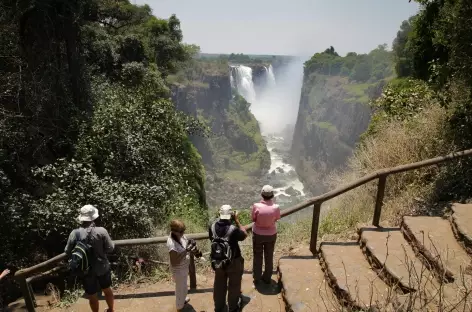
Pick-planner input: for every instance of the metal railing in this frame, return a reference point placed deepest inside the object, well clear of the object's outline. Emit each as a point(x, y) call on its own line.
point(25, 276)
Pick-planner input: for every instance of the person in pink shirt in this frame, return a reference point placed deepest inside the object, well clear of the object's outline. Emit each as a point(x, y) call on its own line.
point(264, 215)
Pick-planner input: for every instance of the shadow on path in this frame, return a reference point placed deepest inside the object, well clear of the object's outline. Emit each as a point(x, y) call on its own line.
point(159, 294)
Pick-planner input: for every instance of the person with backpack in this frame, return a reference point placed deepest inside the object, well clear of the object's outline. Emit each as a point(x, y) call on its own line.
point(87, 247)
point(226, 259)
point(180, 249)
point(264, 215)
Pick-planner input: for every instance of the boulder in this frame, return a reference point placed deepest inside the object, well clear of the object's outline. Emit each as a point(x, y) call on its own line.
point(292, 192)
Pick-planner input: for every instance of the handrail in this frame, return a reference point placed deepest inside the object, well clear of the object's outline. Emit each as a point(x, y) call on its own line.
point(316, 201)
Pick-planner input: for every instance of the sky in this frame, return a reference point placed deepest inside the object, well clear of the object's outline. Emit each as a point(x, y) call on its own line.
point(286, 27)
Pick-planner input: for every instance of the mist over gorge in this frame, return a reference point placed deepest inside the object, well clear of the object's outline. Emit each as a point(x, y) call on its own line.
point(289, 122)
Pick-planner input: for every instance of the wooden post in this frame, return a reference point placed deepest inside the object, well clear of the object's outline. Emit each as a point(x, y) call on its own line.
point(314, 227)
point(192, 272)
point(379, 201)
point(27, 295)
point(30, 288)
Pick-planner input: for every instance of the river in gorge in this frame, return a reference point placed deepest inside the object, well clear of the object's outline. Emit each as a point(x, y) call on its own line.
point(275, 106)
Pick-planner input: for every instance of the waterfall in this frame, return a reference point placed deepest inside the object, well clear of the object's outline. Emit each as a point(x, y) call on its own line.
point(243, 77)
point(275, 105)
point(270, 77)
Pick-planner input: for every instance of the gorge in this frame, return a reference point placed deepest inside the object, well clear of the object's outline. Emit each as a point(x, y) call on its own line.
point(289, 125)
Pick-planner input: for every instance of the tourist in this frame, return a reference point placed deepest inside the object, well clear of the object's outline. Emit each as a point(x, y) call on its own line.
point(226, 259)
point(180, 249)
point(264, 215)
point(100, 243)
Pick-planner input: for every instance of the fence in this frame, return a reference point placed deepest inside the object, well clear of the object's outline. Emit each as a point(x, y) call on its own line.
point(26, 276)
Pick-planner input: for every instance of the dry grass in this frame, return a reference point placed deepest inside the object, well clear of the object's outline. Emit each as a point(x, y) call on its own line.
point(396, 143)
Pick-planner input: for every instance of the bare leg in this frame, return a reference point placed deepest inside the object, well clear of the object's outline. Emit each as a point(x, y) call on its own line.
point(109, 299)
point(93, 301)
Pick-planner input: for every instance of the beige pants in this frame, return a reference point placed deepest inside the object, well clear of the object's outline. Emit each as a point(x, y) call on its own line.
point(181, 288)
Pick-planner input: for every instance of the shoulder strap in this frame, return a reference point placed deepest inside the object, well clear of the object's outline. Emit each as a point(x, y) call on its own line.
point(230, 230)
point(213, 230)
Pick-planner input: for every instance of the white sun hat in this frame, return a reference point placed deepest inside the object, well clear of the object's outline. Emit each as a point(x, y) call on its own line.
point(267, 190)
point(225, 212)
point(88, 213)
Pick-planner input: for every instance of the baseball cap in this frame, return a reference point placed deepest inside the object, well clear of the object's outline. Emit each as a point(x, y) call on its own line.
point(225, 212)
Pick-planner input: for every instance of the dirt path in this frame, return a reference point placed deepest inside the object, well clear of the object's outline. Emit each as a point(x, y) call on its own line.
point(160, 297)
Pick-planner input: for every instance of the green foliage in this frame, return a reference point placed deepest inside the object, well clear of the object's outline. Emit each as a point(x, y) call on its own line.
point(86, 119)
point(238, 144)
point(434, 46)
point(361, 68)
point(402, 99)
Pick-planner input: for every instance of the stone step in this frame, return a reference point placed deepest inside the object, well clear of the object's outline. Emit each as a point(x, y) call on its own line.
point(433, 237)
point(462, 224)
point(353, 280)
point(304, 287)
point(393, 257)
point(389, 252)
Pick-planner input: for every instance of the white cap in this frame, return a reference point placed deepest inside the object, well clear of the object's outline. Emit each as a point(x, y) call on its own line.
point(267, 190)
point(225, 212)
point(88, 213)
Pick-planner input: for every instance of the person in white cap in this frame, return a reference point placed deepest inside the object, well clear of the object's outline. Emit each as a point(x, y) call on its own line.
point(226, 259)
point(101, 243)
point(264, 215)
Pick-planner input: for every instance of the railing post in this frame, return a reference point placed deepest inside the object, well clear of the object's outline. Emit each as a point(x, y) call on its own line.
point(27, 295)
point(314, 227)
point(192, 272)
point(379, 200)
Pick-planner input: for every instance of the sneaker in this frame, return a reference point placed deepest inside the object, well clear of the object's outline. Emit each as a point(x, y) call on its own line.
point(267, 281)
point(187, 300)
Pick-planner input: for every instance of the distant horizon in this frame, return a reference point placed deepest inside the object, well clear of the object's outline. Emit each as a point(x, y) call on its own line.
point(389, 48)
point(296, 28)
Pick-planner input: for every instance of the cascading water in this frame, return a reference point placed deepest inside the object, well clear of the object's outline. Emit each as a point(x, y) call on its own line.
point(276, 107)
point(244, 84)
point(270, 77)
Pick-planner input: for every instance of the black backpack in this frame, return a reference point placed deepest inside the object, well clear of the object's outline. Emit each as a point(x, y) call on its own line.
point(82, 255)
point(221, 254)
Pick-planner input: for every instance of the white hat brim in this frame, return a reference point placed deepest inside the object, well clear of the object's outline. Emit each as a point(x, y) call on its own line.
point(225, 216)
point(88, 218)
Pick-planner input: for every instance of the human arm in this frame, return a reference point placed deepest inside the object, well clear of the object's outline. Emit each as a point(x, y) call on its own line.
point(242, 233)
point(277, 214)
point(70, 243)
point(254, 213)
point(4, 273)
point(210, 234)
point(108, 245)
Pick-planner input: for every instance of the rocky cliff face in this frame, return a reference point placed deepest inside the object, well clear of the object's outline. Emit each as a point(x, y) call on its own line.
point(333, 113)
point(234, 154)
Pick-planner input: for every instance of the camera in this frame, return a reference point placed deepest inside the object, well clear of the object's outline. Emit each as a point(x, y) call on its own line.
point(192, 247)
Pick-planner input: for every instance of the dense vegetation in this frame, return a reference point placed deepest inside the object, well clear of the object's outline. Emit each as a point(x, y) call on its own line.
point(373, 66)
point(423, 113)
point(433, 62)
point(86, 118)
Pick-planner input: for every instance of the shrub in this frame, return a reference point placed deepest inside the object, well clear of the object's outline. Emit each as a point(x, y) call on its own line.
point(396, 141)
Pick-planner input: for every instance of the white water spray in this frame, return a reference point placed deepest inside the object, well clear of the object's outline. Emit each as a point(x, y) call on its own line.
point(244, 83)
point(270, 77)
point(275, 107)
